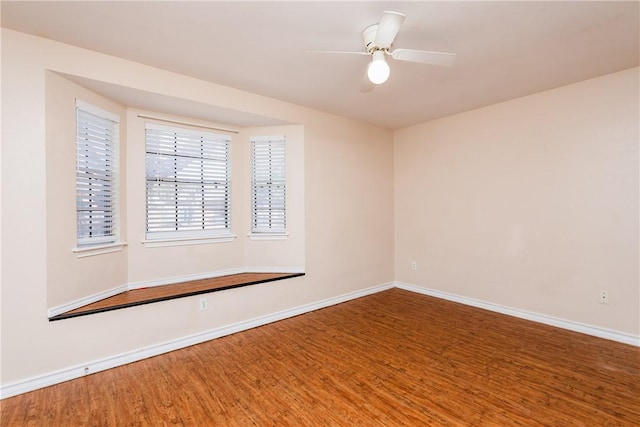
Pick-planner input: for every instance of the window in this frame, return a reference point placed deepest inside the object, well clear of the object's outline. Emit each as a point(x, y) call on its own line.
point(268, 185)
point(96, 175)
point(188, 188)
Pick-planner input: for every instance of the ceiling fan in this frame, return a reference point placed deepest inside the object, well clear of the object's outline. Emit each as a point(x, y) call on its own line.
point(378, 39)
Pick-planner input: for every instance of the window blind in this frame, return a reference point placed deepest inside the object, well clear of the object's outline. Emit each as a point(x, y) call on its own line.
point(96, 174)
point(268, 184)
point(187, 184)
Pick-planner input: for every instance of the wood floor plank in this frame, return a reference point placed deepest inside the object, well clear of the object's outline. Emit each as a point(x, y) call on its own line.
point(390, 359)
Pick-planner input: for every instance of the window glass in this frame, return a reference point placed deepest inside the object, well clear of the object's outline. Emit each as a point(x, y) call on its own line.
point(96, 175)
point(187, 183)
point(268, 184)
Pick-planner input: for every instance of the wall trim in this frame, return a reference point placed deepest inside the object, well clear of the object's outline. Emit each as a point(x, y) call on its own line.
point(595, 331)
point(62, 375)
point(45, 380)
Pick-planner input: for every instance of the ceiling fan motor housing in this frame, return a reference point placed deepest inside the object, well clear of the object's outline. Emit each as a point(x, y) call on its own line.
point(369, 37)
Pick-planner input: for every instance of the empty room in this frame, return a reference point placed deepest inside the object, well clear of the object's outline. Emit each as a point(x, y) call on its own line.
point(320, 213)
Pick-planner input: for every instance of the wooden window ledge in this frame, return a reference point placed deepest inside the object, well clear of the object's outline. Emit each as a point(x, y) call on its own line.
point(153, 294)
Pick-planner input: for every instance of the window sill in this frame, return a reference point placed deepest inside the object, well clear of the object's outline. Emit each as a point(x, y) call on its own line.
point(268, 236)
point(88, 251)
point(153, 294)
point(186, 241)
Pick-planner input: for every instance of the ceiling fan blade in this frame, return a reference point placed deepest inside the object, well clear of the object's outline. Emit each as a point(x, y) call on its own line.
point(424, 57)
point(388, 29)
point(337, 51)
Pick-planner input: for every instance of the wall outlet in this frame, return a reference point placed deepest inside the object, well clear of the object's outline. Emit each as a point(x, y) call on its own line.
point(604, 297)
point(414, 265)
point(203, 304)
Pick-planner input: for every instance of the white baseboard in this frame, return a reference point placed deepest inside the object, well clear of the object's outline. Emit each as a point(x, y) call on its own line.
point(595, 331)
point(34, 383)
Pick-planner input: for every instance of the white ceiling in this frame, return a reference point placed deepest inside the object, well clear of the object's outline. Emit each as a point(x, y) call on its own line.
point(505, 49)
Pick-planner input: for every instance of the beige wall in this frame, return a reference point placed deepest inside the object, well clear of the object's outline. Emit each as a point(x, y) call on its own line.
point(287, 254)
point(158, 263)
point(530, 204)
point(69, 277)
point(161, 263)
point(344, 161)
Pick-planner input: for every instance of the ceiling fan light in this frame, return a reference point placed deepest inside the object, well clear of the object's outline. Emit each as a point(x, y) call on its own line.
point(378, 70)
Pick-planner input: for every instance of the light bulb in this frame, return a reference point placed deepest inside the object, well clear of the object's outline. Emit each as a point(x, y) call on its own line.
point(378, 70)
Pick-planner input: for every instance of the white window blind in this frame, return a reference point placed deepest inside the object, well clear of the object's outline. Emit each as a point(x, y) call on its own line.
point(188, 188)
point(96, 174)
point(268, 184)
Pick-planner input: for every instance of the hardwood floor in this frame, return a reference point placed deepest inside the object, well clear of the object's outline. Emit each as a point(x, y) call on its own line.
point(390, 359)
